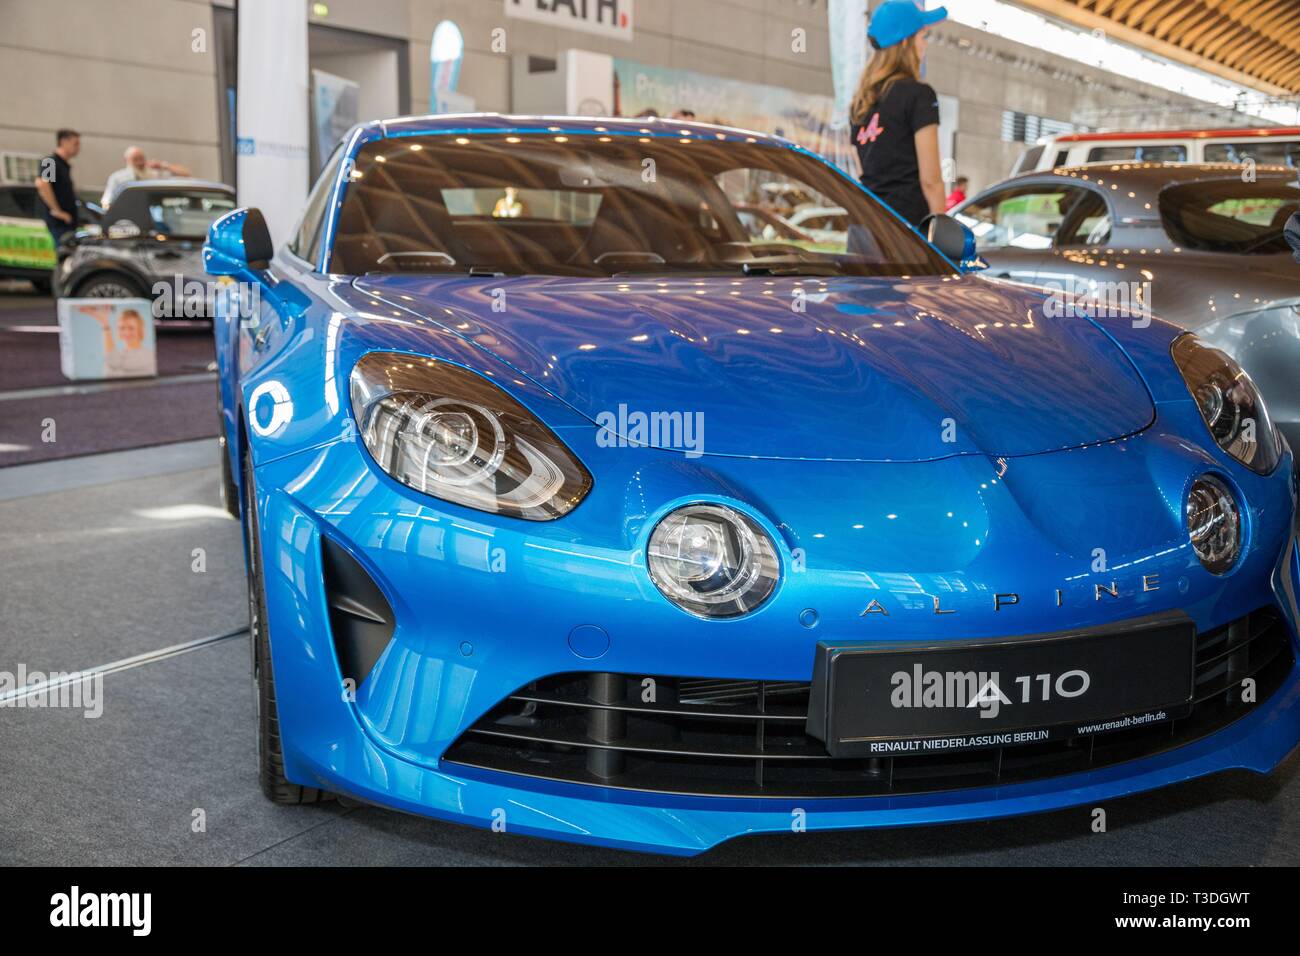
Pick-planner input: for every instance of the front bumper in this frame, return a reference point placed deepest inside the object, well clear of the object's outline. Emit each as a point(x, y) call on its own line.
point(485, 606)
point(686, 826)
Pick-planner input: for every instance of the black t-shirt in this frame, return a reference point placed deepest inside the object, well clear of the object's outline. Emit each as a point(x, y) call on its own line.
point(64, 193)
point(887, 147)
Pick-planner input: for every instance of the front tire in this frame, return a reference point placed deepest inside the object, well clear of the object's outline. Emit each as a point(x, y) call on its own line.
point(270, 754)
point(229, 490)
point(108, 285)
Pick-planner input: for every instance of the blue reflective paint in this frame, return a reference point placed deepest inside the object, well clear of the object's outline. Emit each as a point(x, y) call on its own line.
point(1071, 435)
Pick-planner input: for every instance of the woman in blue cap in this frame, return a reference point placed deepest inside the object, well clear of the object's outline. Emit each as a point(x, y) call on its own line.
point(896, 116)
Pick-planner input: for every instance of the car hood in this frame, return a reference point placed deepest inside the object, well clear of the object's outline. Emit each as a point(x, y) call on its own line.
point(837, 368)
point(1188, 287)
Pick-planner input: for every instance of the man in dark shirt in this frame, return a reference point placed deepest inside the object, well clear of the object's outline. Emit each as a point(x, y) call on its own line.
point(54, 185)
point(1292, 233)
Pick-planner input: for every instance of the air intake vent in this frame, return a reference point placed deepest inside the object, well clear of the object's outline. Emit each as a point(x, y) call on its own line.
point(746, 737)
point(361, 619)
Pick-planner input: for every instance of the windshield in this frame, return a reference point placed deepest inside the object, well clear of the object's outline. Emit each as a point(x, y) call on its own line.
point(1230, 215)
point(609, 205)
point(187, 215)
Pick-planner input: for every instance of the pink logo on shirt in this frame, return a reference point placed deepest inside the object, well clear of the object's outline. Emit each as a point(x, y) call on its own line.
point(869, 132)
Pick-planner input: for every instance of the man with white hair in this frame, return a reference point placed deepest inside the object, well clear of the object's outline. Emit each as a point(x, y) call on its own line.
point(138, 166)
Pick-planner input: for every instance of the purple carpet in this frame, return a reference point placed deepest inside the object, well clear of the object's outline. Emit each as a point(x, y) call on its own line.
point(30, 359)
point(109, 420)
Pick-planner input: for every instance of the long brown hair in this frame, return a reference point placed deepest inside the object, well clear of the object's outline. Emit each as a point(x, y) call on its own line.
point(886, 67)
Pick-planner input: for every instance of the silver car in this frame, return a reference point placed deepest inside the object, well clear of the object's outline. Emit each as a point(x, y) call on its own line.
point(1200, 245)
point(149, 244)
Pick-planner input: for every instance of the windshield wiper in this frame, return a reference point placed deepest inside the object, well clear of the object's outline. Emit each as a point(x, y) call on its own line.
point(801, 269)
point(485, 272)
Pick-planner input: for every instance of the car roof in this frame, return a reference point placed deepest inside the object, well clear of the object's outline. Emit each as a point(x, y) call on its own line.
point(1233, 132)
point(173, 183)
point(1143, 180)
point(444, 123)
point(1158, 174)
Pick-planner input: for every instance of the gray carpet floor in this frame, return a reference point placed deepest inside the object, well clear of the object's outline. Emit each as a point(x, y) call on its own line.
point(96, 565)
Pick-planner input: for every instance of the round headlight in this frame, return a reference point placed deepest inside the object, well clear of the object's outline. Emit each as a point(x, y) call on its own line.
point(712, 561)
point(1213, 524)
point(1230, 404)
point(447, 432)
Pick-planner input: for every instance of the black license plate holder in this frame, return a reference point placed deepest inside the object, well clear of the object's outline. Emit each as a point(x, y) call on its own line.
point(880, 698)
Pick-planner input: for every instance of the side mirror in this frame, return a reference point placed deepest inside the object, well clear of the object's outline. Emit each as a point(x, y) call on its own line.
point(954, 240)
point(237, 242)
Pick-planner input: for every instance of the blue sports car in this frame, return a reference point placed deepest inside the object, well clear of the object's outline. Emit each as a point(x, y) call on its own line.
point(574, 508)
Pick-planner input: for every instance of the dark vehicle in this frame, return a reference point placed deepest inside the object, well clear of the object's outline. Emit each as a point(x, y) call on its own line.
point(149, 244)
point(1200, 245)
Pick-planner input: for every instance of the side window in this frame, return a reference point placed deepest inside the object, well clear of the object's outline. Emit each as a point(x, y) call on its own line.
point(1029, 159)
point(1026, 217)
point(305, 243)
point(9, 204)
point(23, 202)
point(1279, 153)
point(1163, 154)
point(1086, 223)
point(1100, 154)
point(1141, 154)
point(788, 208)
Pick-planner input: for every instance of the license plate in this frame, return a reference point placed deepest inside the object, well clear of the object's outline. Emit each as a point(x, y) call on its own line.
point(894, 699)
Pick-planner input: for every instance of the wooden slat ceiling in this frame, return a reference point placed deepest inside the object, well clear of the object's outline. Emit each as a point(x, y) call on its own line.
point(1255, 43)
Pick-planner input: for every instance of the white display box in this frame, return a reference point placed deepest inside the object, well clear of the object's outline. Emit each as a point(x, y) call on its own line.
point(107, 338)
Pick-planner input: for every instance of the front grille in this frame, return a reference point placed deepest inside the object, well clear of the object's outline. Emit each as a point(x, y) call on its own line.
point(746, 738)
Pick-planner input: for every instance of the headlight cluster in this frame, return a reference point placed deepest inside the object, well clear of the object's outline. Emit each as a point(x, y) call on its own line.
point(1230, 404)
point(449, 433)
point(712, 561)
point(1213, 523)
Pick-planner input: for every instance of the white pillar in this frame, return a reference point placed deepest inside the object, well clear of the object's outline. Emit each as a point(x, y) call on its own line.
point(271, 103)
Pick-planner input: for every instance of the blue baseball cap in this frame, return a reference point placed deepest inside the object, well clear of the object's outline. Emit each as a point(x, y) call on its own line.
point(895, 21)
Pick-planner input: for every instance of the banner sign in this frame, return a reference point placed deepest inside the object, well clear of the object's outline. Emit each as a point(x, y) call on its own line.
point(805, 118)
point(334, 112)
point(446, 54)
point(607, 18)
point(272, 131)
point(847, 20)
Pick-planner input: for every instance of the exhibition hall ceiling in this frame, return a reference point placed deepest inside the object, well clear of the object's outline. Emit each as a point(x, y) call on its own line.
point(1252, 42)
